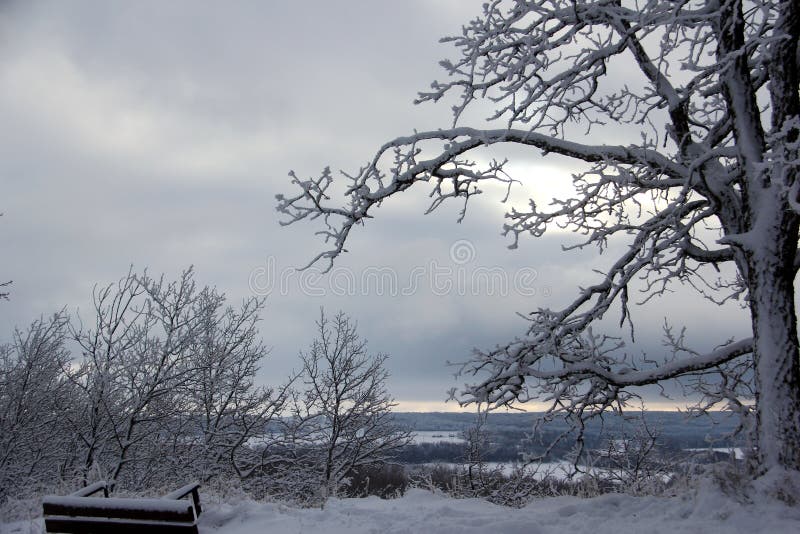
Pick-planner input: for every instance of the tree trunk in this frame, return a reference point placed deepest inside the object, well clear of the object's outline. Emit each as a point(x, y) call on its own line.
point(776, 357)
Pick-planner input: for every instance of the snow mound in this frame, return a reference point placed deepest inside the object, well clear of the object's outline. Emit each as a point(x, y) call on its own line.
point(707, 511)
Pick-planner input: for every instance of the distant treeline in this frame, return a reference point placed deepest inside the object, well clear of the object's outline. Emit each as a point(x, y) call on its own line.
point(511, 435)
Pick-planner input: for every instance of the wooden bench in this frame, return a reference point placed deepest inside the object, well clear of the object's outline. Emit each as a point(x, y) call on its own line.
point(82, 513)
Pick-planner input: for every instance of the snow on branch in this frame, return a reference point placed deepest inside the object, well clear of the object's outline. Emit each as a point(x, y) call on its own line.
point(711, 90)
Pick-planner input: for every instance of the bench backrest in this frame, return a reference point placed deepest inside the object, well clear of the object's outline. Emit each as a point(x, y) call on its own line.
point(77, 513)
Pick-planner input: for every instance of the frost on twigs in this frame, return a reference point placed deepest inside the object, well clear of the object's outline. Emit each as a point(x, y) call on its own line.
point(158, 386)
point(341, 421)
point(449, 175)
point(701, 100)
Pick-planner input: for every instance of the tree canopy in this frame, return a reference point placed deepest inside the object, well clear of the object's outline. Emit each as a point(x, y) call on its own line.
point(709, 93)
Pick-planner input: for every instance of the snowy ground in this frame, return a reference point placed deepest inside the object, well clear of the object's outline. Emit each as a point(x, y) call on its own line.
point(421, 511)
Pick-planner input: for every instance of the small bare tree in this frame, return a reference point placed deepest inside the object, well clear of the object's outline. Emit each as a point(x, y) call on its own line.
point(166, 383)
point(684, 118)
point(33, 443)
point(632, 461)
point(225, 405)
point(476, 445)
point(135, 363)
point(164, 388)
point(345, 408)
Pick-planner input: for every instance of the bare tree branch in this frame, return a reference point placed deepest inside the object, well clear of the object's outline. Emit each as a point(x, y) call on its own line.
point(711, 181)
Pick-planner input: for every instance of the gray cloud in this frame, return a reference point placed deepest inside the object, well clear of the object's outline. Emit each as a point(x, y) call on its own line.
point(157, 134)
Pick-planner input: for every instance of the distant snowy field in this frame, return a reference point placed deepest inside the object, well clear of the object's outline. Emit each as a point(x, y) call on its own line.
point(437, 436)
point(559, 470)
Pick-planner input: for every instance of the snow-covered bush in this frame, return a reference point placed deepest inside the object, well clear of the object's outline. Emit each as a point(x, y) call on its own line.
point(157, 389)
point(632, 461)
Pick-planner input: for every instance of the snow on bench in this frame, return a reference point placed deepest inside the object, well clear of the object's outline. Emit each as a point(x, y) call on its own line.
point(80, 513)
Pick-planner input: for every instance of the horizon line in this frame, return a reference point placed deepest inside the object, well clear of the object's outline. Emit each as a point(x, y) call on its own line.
point(435, 406)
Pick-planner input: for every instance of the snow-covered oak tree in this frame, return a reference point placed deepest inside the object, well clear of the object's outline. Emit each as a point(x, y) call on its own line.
point(708, 91)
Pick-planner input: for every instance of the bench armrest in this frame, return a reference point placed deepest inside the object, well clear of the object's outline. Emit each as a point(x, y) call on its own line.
point(182, 492)
point(91, 489)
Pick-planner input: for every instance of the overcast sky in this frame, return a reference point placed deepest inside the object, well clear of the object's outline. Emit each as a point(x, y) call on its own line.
point(156, 134)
